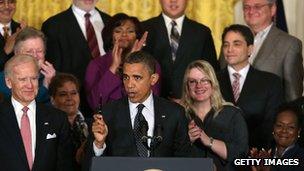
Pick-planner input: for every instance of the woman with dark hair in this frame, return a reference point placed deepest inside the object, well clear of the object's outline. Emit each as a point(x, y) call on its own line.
point(64, 92)
point(103, 76)
point(286, 133)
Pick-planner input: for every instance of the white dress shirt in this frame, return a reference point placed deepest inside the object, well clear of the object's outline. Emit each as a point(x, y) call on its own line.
point(96, 21)
point(31, 113)
point(7, 25)
point(179, 24)
point(243, 72)
point(258, 41)
point(148, 112)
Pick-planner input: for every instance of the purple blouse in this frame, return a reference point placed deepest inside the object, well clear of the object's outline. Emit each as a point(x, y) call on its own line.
point(102, 85)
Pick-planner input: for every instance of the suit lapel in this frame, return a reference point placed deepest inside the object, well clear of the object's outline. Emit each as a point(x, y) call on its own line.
point(164, 39)
point(226, 86)
point(158, 115)
point(267, 46)
point(126, 117)
point(74, 29)
point(40, 132)
point(183, 41)
point(249, 82)
point(10, 126)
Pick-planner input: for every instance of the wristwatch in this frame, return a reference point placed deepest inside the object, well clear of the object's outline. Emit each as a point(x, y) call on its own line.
point(211, 142)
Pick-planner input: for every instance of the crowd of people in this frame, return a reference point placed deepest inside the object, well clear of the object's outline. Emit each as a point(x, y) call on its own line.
point(91, 85)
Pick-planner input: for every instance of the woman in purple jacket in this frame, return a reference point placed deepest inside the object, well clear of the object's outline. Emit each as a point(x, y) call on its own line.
point(103, 76)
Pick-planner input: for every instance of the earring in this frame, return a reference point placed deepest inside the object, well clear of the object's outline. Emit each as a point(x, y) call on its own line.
point(299, 136)
point(272, 133)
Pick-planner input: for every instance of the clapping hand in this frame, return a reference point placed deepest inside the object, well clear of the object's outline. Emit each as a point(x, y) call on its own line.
point(138, 44)
point(48, 71)
point(194, 131)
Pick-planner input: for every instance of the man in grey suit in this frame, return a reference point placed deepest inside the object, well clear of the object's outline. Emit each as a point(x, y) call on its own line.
point(275, 51)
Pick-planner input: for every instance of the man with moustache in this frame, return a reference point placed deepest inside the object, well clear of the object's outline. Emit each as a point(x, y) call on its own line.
point(69, 48)
point(115, 130)
point(175, 41)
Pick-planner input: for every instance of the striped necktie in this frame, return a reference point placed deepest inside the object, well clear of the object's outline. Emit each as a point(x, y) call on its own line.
point(91, 36)
point(236, 86)
point(174, 38)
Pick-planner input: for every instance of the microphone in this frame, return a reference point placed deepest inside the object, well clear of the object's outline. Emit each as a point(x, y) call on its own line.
point(159, 130)
point(144, 130)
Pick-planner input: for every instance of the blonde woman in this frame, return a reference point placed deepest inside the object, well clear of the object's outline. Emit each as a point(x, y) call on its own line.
point(217, 129)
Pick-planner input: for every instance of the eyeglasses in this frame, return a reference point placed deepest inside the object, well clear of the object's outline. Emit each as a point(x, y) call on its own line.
point(194, 82)
point(257, 7)
point(8, 2)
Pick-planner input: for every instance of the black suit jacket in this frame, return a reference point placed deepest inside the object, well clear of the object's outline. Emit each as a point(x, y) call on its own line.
point(170, 116)
point(3, 56)
point(50, 154)
point(120, 140)
point(261, 94)
point(67, 48)
point(195, 43)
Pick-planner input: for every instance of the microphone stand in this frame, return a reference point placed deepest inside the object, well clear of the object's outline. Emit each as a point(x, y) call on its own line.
point(155, 141)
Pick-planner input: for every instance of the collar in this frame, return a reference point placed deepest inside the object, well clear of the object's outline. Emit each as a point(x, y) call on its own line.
point(179, 20)
point(7, 25)
point(263, 33)
point(149, 104)
point(276, 155)
point(18, 106)
point(243, 71)
point(81, 12)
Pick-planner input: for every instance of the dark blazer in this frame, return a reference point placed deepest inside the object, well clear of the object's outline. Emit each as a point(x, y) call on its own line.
point(3, 56)
point(261, 94)
point(228, 126)
point(50, 154)
point(195, 43)
point(295, 152)
point(67, 49)
point(120, 140)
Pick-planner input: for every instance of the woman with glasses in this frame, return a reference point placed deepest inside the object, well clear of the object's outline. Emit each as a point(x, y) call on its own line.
point(217, 129)
point(286, 133)
point(103, 82)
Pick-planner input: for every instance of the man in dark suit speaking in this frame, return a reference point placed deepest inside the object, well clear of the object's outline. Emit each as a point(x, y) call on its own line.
point(34, 137)
point(125, 124)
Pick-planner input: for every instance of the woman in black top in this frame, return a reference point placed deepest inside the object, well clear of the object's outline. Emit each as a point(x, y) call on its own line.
point(217, 129)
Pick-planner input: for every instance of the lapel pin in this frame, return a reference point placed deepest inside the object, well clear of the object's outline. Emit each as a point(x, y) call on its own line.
point(46, 123)
point(163, 116)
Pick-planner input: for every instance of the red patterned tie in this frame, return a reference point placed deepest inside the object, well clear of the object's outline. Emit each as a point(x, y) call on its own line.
point(236, 86)
point(91, 37)
point(27, 136)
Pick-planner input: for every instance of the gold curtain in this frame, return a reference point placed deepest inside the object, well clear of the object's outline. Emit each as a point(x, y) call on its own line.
point(216, 14)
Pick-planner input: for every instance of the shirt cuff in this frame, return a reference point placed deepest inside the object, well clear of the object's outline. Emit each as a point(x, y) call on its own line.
point(99, 151)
